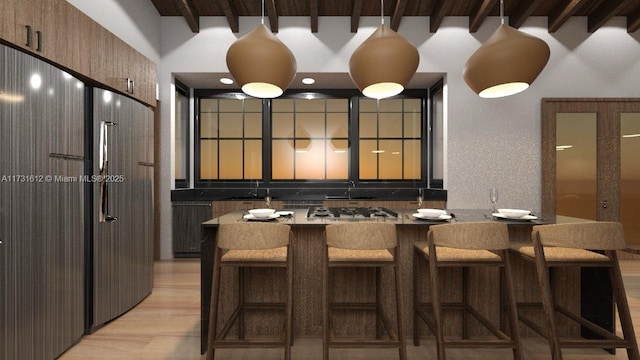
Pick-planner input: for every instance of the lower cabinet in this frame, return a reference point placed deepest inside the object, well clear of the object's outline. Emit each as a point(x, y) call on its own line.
point(187, 217)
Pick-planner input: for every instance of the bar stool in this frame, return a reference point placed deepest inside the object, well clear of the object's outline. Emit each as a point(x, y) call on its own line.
point(247, 245)
point(465, 245)
point(563, 245)
point(370, 245)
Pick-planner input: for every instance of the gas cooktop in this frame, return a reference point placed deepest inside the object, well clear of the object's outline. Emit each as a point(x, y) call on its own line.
point(350, 212)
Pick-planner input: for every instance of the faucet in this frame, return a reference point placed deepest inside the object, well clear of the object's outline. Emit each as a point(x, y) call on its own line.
point(352, 185)
point(255, 192)
point(420, 197)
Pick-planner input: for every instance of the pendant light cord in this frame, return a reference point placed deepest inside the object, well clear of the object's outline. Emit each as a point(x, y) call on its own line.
point(502, 12)
point(262, 20)
point(382, 12)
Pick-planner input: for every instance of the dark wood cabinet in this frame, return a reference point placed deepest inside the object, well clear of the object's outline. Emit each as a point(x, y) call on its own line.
point(187, 217)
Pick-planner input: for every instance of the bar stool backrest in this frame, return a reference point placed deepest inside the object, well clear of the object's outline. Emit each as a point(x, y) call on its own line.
point(602, 235)
point(362, 235)
point(471, 235)
point(252, 236)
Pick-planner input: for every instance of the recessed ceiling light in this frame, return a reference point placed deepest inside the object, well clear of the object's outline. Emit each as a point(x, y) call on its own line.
point(226, 81)
point(308, 81)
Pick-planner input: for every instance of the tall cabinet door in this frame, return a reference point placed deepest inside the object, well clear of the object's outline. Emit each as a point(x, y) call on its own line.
point(41, 205)
point(122, 228)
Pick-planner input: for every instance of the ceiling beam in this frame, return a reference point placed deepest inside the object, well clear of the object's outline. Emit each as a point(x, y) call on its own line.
point(563, 12)
point(189, 14)
point(477, 16)
point(270, 9)
point(633, 22)
point(604, 12)
point(398, 12)
point(231, 14)
point(440, 10)
point(313, 12)
point(355, 15)
point(522, 12)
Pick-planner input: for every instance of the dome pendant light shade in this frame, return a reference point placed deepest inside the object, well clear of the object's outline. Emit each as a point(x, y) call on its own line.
point(383, 64)
point(506, 64)
point(261, 64)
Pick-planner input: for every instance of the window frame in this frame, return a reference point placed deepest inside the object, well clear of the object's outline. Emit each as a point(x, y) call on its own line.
point(238, 187)
point(184, 183)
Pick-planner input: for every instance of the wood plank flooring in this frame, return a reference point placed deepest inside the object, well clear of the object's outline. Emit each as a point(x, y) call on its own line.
point(166, 325)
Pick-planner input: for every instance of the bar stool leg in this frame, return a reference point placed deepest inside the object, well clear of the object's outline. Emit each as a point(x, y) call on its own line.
point(401, 338)
point(213, 309)
point(325, 306)
point(417, 297)
point(465, 301)
point(289, 306)
point(547, 300)
point(241, 274)
point(435, 300)
point(623, 306)
point(378, 277)
point(514, 332)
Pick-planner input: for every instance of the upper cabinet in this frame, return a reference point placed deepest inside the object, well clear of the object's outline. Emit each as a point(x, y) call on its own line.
point(7, 20)
point(57, 31)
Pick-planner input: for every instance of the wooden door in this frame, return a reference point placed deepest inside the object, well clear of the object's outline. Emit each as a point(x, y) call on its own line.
point(584, 143)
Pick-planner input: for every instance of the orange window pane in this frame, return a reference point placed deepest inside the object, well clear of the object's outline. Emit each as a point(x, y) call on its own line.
point(310, 125)
point(209, 159)
point(368, 125)
point(253, 159)
point(208, 105)
point(208, 125)
point(281, 160)
point(230, 125)
point(390, 159)
point(390, 125)
point(368, 159)
point(253, 105)
point(411, 156)
point(231, 159)
point(253, 125)
point(230, 105)
point(337, 125)
point(282, 125)
point(316, 105)
point(412, 125)
point(337, 159)
point(310, 160)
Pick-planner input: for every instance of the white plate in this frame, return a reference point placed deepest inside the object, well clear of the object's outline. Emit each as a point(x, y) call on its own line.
point(284, 213)
point(526, 217)
point(251, 217)
point(439, 218)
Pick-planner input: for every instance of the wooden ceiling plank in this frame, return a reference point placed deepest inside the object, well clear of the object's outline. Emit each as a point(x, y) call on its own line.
point(355, 15)
point(398, 12)
point(480, 13)
point(633, 21)
point(440, 10)
point(190, 15)
point(605, 12)
point(231, 14)
point(563, 12)
point(270, 9)
point(522, 12)
point(313, 10)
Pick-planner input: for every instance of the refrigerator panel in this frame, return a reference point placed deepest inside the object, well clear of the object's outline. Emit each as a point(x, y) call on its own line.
point(41, 206)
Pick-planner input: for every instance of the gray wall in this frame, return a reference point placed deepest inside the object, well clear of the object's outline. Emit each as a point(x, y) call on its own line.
point(490, 142)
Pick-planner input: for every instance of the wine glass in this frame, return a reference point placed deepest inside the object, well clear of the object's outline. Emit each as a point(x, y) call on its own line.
point(493, 196)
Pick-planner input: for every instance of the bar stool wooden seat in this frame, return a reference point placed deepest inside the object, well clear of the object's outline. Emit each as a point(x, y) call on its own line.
point(563, 245)
point(464, 245)
point(247, 245)
point(370, 245)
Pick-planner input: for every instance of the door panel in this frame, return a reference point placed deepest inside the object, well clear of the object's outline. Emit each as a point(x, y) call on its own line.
point(598, 177)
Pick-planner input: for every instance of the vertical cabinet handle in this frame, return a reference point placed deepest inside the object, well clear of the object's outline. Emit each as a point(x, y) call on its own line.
point(130, 86)
point(29, 37)
point(39, 40)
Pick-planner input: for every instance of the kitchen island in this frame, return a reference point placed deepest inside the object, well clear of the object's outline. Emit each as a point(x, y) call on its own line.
point(308, 246)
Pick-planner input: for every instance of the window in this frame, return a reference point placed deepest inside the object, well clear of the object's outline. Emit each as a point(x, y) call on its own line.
point(181, 174)
point(323, 140)
point(230, 139)
point(390, 139)
point(310, 139)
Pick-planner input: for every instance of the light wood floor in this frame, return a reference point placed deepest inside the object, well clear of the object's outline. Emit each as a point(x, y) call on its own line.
point(166, 325)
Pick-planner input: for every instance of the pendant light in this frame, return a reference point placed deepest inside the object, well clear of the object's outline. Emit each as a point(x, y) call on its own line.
point(384, 63)
point(260, 63)
point(507, 63)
